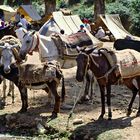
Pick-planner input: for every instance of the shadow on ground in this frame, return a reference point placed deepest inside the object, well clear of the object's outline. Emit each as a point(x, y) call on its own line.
point(95, 129)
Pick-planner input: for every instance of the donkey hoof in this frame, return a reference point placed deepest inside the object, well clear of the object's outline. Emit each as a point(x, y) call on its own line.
point(109, 118)
point(54, 115)
point(100, 117)
point(22, 111)
point(138, 114)
point(128, 113)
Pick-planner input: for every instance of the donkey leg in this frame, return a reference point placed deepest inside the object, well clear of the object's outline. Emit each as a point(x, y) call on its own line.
point(138, 113)
point(13, 95)
point(49, 101)
point(85, 96)
point(102, 90)
point(138, 87)
point(24, 98)
point(53, 88)
point(4, 92)
point(108, 88)
point(12, 90)
point(92, 85)
point(129, 110)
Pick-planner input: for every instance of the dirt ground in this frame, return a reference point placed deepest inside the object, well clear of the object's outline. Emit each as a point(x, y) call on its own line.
point(27, 126)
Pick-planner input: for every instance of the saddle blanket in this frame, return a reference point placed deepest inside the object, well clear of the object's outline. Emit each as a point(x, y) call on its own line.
point(37, 73)
point(66, 44)
point(128, 61)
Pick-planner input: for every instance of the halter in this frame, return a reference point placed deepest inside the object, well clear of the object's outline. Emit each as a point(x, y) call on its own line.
point(37, 44)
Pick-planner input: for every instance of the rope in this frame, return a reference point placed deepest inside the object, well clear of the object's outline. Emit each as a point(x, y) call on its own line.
point(74, 105)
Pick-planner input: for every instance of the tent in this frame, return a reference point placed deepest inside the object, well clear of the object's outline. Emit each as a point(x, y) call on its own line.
point(29, 12)
point(70, 24)
point(8, 12)
point(114, 25)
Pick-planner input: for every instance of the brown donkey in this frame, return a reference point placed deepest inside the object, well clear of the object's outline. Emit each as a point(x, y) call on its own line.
point(106, 76)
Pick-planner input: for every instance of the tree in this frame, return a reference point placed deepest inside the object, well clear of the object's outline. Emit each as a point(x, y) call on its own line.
point(72, 2)
point(11, 2)
point(26, 2)
point(1, 2)
point(99, 8)
point(50, 6)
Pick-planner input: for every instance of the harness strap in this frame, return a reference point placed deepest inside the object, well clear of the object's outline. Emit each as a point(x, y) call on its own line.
point(36, 47)
point(107, 73)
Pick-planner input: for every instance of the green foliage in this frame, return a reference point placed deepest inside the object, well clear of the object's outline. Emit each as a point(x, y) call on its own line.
point(61, 4)
point(135, 18)
point(135, 6)
point(118, 8)
point(83, 11)
point(39, 6)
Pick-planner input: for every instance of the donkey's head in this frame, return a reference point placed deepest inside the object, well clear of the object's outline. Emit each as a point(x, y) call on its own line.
point(7, 55)
point(82, 65)
point(27, 44)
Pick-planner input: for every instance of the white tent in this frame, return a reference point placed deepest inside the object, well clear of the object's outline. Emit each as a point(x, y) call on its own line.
point(29, 12)
point(114, 24)
point(70, 24)
point(8, 12)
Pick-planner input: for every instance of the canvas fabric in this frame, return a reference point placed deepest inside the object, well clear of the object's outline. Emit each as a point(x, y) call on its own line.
point(66, 44)
point(128, 62)
point(37, 73)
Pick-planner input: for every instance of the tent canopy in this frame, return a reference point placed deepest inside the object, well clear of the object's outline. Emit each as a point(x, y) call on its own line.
point(70, 24)
point(114, 25)
point(29, 12)
point(8, 12)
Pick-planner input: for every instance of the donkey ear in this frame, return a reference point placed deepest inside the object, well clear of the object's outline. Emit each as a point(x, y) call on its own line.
point(15, 46)
point(1, 47)
point(78, 49)
point(33, 33)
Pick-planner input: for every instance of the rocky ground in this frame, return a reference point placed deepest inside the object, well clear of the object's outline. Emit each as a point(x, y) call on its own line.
point(82, 125)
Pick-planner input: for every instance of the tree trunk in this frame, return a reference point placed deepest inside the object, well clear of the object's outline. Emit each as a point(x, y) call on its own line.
point(27, 2)
point(72, 2)
point(50, 6)
point(1, 2)
point(99, 8)
point(11, 2)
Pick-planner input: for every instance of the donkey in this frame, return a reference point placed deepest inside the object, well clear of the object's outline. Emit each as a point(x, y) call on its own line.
point(8, 56)
point(106, 76)
point(121, 44)
point(50, 85)
point(45, 76)
point(48, 52)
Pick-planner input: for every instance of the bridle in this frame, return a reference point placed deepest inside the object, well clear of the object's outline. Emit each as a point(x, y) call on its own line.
point(36, 46)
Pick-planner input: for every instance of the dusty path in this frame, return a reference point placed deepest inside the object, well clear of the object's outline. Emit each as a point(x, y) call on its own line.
point(120, 128)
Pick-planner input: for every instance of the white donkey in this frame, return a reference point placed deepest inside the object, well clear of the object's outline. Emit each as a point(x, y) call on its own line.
point(8, 55)
point(48, 51)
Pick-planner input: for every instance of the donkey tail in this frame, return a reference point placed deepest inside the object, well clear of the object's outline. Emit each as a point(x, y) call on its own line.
point(63, 92)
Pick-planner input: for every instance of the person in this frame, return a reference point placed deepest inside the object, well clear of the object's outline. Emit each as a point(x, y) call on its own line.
point(17, 18)
point(1, 15)
point(87, 25)
point(62, 31)
point(128, 37)
point(20, 31)
point(82, 30)
point(24, 22)
point(2, 25)
point(100, 33)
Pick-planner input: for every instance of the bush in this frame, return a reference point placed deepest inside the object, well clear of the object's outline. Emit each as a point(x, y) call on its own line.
point(61, 4)
point(83, 11)
point(39, 6)
point(123, 11)
point(135, 27)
